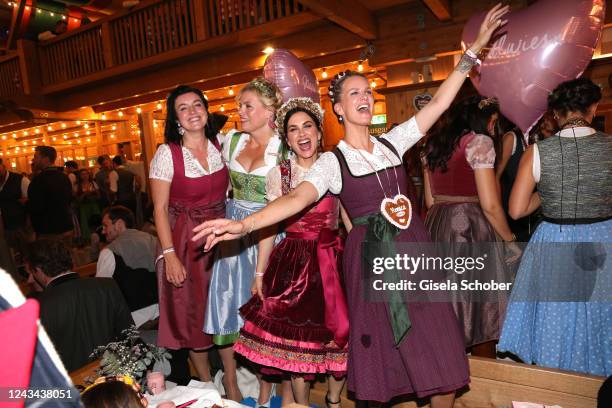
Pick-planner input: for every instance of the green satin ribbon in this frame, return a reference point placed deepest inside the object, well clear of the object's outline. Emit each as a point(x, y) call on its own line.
point(380, 234)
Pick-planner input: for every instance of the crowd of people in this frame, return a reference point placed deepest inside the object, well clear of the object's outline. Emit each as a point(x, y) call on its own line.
point(272, 277)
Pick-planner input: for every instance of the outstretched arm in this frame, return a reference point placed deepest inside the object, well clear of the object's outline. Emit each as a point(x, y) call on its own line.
point(427, 116)
point(276, 211)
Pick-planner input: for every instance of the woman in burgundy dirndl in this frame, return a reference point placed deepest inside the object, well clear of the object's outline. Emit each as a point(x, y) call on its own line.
point(189, 182)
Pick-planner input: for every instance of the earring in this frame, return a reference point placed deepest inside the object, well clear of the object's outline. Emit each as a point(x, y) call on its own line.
point(271, 123)
point(340, 119)
point(181, 130)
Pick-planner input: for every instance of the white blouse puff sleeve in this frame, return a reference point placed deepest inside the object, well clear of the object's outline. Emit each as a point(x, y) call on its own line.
point(273, 184)
point(161, 167)
point(480, 152)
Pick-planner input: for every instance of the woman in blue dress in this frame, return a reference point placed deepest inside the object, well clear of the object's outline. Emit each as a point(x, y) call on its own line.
point(560, 312)
point(250, 155)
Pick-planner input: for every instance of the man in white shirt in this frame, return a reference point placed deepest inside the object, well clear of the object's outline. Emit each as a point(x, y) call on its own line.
point(129, 258)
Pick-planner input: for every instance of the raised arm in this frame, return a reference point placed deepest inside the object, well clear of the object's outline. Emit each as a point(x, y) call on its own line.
point(427, 116)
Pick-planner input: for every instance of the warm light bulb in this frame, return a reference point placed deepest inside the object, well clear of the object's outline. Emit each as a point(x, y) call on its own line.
point(25, 133)
point(49, 128)
point(63, 126)
point(114, 127)
point(33, 149)
point(88, 140)
point(159, 106)
point(373, 84)
point(88, 133)
point(3, 137)
point(120, 114)
point(360, 67)
point(231, 91)
point(86, 126)
point(14, 135)
point(65, 136)
point(78, 122)
point(54, 138)
point(76, 134)
point(138, 110)
point(268, 50)
point(37, 130)
point(324, 73)
point(222, 108)
point(79, 141)
point(104, 116)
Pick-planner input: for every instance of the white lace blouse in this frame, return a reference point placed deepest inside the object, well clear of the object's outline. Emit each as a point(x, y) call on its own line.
point(326, 174)
point(274, 185)
point(162, 167)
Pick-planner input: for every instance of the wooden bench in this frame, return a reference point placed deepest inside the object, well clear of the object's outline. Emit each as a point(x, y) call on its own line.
point(496, 383)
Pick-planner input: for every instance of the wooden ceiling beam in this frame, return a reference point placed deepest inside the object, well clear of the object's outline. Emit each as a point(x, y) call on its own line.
point(440, 8)
point(350, 15)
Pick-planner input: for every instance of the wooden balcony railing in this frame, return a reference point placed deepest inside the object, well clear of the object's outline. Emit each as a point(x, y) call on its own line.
point(73, 56)
point(150, 29)
point(10, 76)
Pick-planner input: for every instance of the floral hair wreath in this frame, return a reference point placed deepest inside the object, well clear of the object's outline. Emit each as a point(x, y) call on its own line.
point(293, 103)
point(332, 84)
point(486, 102)
point(264, 86)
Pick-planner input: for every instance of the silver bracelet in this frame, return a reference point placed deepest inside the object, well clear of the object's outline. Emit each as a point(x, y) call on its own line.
point(259, 274)
point(252, 226)
point(168, 250)
point(467, 61)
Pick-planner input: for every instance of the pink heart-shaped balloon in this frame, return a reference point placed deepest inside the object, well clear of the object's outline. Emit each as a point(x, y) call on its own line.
point(292, 77)
point(541, 46)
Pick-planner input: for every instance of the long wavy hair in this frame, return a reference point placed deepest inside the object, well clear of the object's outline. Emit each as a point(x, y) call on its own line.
point(465, 116)
point(171, 133)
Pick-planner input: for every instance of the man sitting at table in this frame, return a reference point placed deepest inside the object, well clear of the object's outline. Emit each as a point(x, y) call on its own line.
point(78, 314)
point(129, 258)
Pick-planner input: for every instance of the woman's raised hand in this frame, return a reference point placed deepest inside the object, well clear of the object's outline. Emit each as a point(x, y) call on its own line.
point(492, 21)
point(218, 230)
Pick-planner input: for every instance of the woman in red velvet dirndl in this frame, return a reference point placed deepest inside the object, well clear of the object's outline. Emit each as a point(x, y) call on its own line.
point(189, 182)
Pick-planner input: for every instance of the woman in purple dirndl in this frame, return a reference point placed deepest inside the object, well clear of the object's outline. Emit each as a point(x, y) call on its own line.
point(395, 347)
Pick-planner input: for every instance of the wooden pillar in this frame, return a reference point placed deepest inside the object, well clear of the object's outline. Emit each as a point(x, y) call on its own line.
point(147, 142)
point(99, 138)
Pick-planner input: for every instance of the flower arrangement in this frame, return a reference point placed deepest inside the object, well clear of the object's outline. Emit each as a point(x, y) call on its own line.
point(131, 356)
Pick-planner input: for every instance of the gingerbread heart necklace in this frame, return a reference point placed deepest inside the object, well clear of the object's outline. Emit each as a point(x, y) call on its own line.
point(396, 210)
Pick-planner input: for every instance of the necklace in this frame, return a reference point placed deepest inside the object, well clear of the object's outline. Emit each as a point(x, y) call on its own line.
point(396, 210)
point(576, 122)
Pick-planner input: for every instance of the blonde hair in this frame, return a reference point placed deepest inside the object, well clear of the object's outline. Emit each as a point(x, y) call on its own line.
point(268, 93)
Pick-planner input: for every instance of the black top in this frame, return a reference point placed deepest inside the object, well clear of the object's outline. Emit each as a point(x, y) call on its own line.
point(81, 314)
point(13, 212)
point(49, 197)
